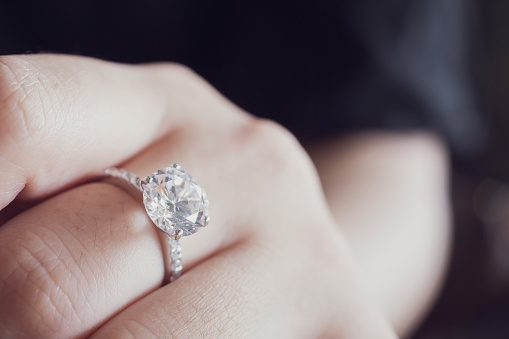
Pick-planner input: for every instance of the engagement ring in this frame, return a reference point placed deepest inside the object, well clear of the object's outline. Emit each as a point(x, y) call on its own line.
point(175, 203)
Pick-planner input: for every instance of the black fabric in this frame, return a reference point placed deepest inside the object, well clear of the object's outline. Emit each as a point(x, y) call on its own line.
point(317, 67)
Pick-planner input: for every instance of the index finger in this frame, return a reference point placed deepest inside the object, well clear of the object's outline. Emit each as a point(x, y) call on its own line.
point(65, 118)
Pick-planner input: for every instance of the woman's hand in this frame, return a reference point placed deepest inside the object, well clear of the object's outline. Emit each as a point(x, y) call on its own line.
point(86, 259)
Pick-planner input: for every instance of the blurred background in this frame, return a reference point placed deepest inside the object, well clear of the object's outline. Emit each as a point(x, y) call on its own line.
point(475, 301)
point(335, 67)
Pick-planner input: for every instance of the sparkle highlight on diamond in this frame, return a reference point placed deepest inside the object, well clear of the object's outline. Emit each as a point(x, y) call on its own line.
point(175, 201)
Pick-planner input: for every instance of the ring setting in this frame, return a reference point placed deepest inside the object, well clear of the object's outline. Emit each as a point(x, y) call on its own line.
point(175, 202)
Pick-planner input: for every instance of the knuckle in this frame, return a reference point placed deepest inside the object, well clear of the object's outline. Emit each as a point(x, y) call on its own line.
point(278, 169)
point(180, 69)
point(186, 91)
point(26, 93)
point(274, 148)
point(174, 71)
point(273, 130)
point(274, 141)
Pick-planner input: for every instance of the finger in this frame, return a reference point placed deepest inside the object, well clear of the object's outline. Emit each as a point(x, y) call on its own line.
point(64, 118)
point(235, 294)
point(72, 262)
point(88, 228)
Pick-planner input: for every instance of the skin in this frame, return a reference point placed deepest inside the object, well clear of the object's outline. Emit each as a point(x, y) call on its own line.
point(389, 194)
point(82, 258)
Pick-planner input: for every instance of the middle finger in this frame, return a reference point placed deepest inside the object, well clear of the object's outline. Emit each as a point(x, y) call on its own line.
point(72, 262)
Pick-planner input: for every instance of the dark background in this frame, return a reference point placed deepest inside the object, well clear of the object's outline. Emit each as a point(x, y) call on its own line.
point(317, 68)
point(475, 301)
point(333, 67)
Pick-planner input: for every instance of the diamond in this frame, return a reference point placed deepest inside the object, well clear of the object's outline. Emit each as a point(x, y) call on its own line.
point(175, 201)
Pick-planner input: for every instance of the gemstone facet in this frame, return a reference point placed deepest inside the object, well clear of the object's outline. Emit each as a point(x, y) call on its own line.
point(175, 201)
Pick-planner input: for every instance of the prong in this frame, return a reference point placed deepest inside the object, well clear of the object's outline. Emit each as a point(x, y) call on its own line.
point(178, 234)
point(176, 166)
point(145, 180)
point(207, 220)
